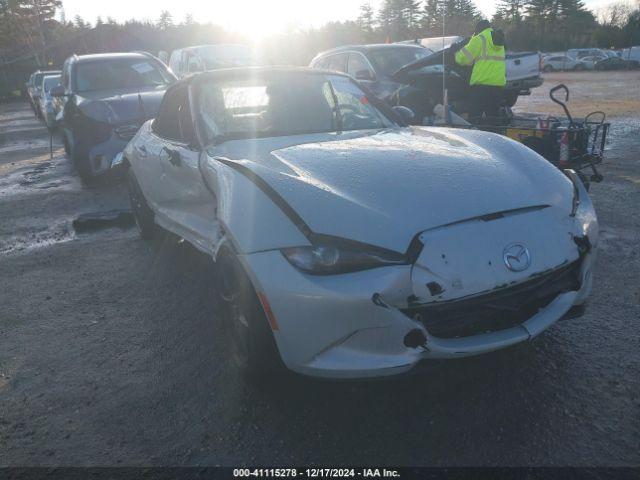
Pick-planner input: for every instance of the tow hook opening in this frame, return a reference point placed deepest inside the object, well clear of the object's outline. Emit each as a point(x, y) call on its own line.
point(583, 243)
point(415, 338)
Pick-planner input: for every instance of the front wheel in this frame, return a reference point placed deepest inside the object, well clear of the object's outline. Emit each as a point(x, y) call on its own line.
point(142, 213)
point(78, 156)
point(253, 348)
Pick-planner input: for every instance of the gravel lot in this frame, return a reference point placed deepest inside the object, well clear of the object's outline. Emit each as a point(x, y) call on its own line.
point(110, 354)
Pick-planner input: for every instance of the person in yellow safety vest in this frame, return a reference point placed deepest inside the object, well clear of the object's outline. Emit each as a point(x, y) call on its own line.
point(485, 51)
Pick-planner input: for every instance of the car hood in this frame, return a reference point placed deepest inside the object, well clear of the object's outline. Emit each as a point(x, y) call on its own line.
point(384, 187)
point(121, 105)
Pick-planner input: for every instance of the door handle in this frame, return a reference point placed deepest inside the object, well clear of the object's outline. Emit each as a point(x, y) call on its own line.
point(174, 156)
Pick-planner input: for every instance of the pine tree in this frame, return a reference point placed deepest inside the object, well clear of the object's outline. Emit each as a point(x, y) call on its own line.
point(31, 22)
point(460, 16)
point(385, 16)
point(188, 19)
point(393, 21)
point(79, 22)
point(432, 18)
point(411, 12)
point(166, 20)
point(541, 17)
point(366, 19)
point(510, 11)
point(577, 21)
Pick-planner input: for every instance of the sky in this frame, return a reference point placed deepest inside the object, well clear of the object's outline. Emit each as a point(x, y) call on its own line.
point(257, 17)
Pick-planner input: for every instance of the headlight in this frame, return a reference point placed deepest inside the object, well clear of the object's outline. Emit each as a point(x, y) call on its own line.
point(328, 259)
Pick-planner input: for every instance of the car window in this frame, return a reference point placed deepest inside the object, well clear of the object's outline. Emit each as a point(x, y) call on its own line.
point(284, 104)
point(388, 60)
point(37, 81)
point(119, 73)
point(354, 107)
point(321, 63)
point(225, 56)
point(50, 82)
point(357, 63)
point(171, 122)
point(338, 62)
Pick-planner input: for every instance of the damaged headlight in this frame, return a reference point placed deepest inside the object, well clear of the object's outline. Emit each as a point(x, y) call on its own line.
point(329, 259)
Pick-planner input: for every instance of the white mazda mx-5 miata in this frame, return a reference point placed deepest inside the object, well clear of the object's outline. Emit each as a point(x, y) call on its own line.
point(348, 244)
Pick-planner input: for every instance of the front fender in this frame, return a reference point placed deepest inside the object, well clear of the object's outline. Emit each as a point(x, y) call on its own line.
point(251, 219)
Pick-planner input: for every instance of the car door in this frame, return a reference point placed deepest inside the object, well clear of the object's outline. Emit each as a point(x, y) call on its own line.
point(147, 146)
point(185, 203)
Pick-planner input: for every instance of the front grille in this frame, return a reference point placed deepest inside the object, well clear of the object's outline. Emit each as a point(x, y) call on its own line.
point(497, 310)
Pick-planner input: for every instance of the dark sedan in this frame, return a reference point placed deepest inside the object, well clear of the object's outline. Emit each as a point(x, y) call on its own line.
point(106, 99)
point(616, 63)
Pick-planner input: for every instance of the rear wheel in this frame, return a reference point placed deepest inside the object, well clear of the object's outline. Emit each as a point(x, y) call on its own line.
point(142, 213)
point(253, 348)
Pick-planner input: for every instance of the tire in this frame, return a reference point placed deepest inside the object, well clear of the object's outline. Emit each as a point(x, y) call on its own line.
point(142, 213)
point(547, 68)
point(578, 68)
point(253, 348)
point(79, 158)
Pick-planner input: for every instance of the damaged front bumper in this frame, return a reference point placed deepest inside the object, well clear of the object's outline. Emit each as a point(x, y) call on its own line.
point(344, 327)
point(104, 156)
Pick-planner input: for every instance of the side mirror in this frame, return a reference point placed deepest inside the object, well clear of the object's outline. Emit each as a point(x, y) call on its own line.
point(404, 113)
point(364, 75)
point(57, 91)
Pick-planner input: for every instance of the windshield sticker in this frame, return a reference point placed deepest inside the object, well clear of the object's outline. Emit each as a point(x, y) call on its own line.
point(142, 68)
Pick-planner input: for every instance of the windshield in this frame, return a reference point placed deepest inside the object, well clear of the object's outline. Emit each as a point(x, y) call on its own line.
point(37, 79)
point(285, 104)
point(50, 82)
point(119, 73)
point(390, 59)
point(220, 56)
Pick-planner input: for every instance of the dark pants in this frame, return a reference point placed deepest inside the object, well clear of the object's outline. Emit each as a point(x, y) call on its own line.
point(485, 100)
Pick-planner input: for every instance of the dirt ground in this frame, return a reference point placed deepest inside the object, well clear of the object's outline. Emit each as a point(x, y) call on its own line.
point(110, 352)
point(617, 93)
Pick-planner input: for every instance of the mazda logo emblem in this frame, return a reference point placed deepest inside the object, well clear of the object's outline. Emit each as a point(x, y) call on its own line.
point(516, 257)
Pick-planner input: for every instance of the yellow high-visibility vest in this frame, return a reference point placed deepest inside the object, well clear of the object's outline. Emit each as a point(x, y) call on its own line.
point(489, 67)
